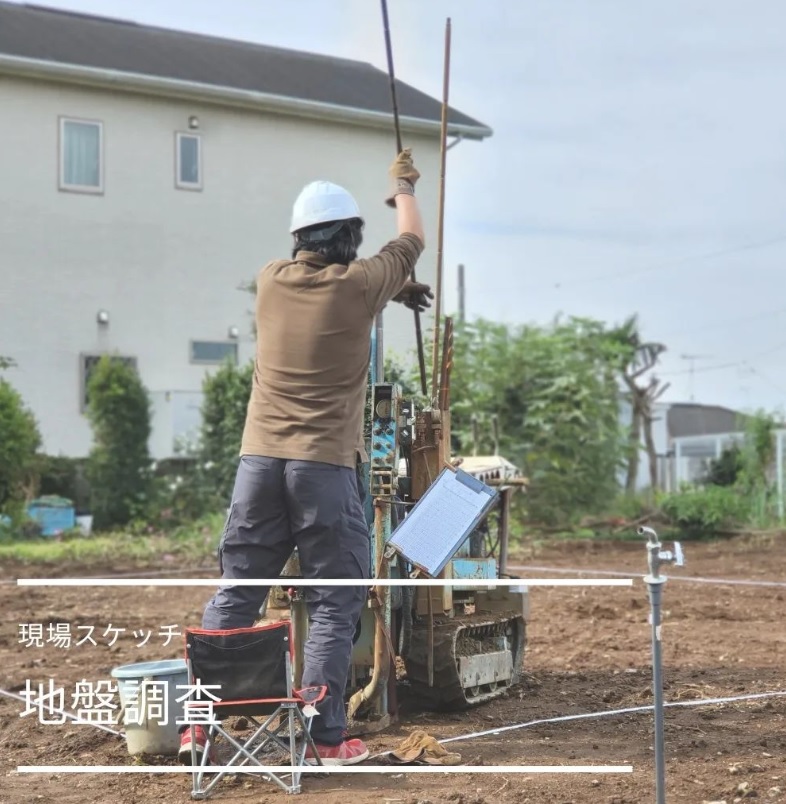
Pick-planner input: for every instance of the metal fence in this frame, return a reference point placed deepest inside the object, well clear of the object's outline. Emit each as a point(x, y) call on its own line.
point(691, 457)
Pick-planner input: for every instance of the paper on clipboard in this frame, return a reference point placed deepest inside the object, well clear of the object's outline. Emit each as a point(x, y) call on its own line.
point(442, 520)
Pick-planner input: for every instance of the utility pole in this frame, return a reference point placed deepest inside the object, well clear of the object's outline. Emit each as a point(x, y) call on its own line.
point(461, 294)
point(692, 359)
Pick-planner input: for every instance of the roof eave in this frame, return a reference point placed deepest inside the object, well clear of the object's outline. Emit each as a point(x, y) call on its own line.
point(226, 96)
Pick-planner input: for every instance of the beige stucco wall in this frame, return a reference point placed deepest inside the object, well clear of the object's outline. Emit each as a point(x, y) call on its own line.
point(165, 263)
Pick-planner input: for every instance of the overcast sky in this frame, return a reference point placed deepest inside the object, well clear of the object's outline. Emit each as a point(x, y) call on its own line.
point(638, 163)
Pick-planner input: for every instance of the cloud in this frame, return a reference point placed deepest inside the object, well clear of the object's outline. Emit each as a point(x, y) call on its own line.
point(627, 135)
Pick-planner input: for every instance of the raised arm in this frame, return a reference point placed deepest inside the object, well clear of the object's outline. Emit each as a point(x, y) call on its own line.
point(405, 175)
point(388, 273)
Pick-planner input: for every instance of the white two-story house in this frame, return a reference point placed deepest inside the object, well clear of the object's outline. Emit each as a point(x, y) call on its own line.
point(147, 174)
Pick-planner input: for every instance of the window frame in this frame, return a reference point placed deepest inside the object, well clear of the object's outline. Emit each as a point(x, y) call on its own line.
point(64, 186)
point(188, 185)
point(196, 361)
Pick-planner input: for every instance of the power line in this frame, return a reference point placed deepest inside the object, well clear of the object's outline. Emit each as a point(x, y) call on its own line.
point(767, 379)
point(662, 266)
point(694, 258)
point(719, 367)
point(741, 362)
point(725, 322)
point(766, 352)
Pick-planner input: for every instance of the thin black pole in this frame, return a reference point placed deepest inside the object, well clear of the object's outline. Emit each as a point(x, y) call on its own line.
point(392, 76)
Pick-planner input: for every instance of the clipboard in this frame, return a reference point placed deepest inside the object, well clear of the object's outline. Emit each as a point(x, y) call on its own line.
point(442, 519)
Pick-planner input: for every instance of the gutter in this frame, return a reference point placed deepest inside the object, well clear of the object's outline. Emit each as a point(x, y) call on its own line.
point(226, 96)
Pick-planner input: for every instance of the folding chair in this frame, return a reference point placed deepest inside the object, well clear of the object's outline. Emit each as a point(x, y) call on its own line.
point(252, 668)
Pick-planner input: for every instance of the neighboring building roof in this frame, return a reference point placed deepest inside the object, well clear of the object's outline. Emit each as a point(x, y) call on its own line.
point(81, 45)
point(688, 419)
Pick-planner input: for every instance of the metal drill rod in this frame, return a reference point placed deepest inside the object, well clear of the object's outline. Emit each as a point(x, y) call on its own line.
point(394, 99)
point(441, 214)
point(391, 74)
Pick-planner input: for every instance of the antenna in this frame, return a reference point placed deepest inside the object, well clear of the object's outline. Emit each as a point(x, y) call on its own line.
point(691, 370)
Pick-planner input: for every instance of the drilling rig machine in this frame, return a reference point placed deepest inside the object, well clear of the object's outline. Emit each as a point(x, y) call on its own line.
point(449, 646)
point(446, 647)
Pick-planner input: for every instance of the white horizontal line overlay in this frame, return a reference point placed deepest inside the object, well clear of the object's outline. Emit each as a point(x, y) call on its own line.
point(300, 582)
point(617, 574)
point(279, 769)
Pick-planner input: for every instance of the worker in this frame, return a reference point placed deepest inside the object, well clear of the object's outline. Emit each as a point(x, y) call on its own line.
point(296, 483)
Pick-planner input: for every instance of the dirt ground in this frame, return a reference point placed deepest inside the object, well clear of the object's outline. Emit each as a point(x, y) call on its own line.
point(588, 651)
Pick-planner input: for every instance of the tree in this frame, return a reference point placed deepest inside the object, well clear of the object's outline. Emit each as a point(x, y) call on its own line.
point(19, 441)
point(637, 357)
point(119, 465)
point(554, 391)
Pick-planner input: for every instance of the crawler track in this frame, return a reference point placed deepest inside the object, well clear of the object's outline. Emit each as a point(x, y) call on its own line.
point(456, 639)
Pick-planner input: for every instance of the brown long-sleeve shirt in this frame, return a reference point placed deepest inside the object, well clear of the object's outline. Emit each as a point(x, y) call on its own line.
point(314, 325)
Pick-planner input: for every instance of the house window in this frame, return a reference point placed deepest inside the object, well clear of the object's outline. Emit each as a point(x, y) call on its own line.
point(87, 364)
point(188, 162)
point(81, 143)
point(213, 351)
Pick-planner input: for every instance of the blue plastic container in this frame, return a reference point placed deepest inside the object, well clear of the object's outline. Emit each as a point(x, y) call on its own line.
point(54, 514)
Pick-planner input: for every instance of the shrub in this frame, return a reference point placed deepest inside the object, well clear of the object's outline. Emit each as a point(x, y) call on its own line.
point(118, 467)
point(705, 511)
point(64, 477)
point(19, 441)
point(199, 481)
point(725, 470)
point(224, 408)
point(183, 492)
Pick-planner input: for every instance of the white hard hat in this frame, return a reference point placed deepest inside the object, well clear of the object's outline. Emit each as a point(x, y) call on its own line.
point(322, 202)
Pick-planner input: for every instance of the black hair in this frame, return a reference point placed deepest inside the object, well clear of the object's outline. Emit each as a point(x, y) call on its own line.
point(337, 246)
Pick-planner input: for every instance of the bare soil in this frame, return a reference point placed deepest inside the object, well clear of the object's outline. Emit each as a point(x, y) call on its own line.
point(588, 651)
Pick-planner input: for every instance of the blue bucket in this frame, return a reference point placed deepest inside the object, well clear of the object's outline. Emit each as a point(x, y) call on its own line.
point(148, 694)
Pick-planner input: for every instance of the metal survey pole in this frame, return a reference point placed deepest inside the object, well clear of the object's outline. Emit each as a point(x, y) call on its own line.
point(655, 582)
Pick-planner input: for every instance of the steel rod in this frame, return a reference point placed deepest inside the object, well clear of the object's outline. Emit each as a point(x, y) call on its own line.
point(441, 214)
point(391, 74)
point(504, 530)
point(394, 100)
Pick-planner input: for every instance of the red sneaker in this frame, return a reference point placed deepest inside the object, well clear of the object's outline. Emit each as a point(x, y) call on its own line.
point(200, 741)
point(350, 752)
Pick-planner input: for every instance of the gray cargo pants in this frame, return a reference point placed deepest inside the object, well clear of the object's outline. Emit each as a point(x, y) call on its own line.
point(278, 505)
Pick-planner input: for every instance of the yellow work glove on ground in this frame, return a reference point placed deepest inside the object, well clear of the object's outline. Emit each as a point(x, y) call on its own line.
point(421, 747)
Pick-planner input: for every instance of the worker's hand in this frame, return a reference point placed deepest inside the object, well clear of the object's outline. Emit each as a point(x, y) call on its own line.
point(415, 295)
point(404, 168)
point(404, 176)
